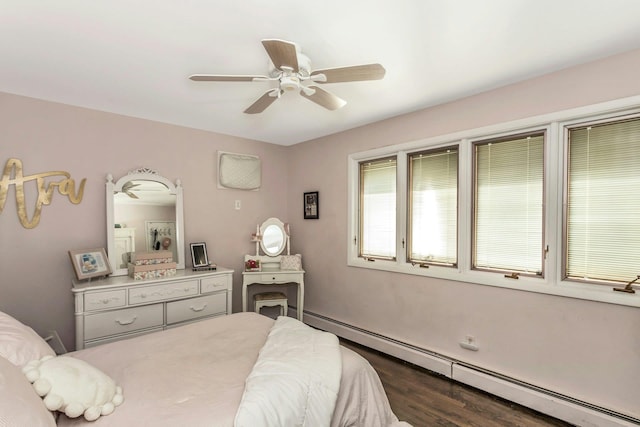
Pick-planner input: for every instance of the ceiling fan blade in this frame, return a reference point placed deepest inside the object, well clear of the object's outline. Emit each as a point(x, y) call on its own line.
point(264, 101)
point(324, 98)
point(350, 74)
point(282, 53)
point(129, 185)
point(222, 78)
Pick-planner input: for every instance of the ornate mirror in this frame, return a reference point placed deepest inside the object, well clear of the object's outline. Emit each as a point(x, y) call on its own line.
point(274, 237)
point(144, 214)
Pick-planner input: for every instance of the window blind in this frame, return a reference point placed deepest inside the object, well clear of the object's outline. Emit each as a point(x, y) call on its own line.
point(508, 204)
point(603, 202)
point(433, 209)
point(378, 208)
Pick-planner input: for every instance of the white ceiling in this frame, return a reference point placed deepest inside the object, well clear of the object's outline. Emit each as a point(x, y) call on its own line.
point(133, 57)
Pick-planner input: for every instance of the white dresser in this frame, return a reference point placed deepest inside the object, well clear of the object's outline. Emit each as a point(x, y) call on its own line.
point(119, 307)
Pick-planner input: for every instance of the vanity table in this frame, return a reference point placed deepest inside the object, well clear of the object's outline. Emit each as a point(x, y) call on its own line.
point(273, 238)
point(274, 276)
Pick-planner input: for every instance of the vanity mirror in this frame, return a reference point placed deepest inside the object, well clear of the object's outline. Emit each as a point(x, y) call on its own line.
point(144, 213)
point(272, 237)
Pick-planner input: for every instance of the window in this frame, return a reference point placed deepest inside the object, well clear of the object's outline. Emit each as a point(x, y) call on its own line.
point(603, 202)
point(553, 201)
point(433, 207)
point(509, 204)
point(377, 234)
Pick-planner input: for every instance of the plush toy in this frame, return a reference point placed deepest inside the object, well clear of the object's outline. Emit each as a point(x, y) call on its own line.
point(73, 386)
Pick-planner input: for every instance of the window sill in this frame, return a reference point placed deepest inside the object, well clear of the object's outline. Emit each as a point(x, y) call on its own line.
point(596, 293)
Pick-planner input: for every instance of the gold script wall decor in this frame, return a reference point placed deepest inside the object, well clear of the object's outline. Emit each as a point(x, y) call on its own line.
point(13, 176)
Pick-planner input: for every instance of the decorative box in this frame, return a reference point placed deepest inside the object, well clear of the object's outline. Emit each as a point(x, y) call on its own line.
point(151, 258)
point(252, 265)
point(152, 271)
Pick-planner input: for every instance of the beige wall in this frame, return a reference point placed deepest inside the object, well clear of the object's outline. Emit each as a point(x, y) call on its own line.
point(35, 271)
point(585, 349)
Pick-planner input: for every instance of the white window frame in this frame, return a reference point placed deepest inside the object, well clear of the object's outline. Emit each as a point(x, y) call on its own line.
point(556, 152)
point(371, 256)
point(408, 239)
point(545, 155)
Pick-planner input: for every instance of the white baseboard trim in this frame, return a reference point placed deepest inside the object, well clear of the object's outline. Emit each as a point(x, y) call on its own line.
point(545, 401)
point(423, 359)
point(555, 406)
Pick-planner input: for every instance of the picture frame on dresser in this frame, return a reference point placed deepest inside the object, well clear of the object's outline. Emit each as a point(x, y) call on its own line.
point(199, 257)
point(89, 263)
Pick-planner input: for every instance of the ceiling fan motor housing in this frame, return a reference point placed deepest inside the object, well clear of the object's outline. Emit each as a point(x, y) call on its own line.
point(289, 83)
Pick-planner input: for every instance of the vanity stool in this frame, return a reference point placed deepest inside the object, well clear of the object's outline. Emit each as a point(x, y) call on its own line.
point(271, 299)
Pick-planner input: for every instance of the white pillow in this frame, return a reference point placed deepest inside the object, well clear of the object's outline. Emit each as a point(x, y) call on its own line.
point(291, 262)
point(19, 405)
point(73, 386)
point(19, 343)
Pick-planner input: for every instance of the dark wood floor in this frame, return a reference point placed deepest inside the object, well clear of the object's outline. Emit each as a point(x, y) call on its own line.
point(425, 399)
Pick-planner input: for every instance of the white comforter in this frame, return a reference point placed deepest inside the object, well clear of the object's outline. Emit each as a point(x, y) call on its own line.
point(296, 379)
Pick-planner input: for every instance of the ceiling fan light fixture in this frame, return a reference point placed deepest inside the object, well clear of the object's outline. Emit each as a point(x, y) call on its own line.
point(304, 65)
point(320, 78)
point(307, 90)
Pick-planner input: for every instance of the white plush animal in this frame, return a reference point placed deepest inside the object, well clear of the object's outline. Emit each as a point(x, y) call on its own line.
point(73, 386)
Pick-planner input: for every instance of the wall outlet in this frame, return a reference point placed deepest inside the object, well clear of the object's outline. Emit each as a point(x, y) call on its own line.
point(237, 205)
point(469, 343)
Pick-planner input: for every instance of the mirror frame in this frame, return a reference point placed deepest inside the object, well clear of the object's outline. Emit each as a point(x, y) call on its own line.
point(146, 175)
point(285, 236)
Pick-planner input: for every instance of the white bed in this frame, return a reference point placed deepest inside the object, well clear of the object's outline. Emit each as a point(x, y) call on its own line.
point(195, 375)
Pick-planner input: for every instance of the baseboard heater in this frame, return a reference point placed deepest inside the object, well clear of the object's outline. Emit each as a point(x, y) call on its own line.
point(548, 402)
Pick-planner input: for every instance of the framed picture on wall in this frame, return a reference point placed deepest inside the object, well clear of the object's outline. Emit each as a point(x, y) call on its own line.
point(88, 263)
point(311, 205)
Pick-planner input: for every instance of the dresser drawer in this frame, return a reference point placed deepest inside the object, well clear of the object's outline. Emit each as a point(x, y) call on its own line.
point(193, 308)
point(140, 295)
point(107, 299)
point(275, 278)
point(212, 284)
point(115, 338)
point(122, 321)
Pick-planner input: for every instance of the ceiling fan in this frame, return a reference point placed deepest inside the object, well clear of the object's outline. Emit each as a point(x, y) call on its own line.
point(291, 69)
point(143, 188)
point(127, 189)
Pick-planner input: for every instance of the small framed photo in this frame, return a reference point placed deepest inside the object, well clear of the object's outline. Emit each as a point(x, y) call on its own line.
point(88, 263)
point(311, 205)
point(199, 256)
